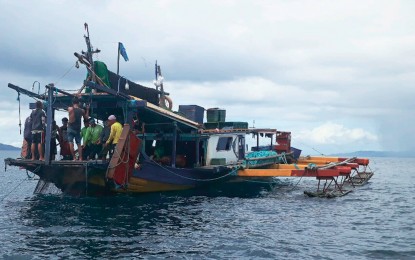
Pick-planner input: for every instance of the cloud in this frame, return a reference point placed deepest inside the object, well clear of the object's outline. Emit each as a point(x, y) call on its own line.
point(331, 133)
point(342, 68)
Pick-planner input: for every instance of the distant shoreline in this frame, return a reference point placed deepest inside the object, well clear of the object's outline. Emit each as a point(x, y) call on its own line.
point(6, 147)
point(401, 154)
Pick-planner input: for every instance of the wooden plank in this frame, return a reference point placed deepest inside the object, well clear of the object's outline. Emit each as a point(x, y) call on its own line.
point(288, 173)
point(344, 170)
point(119, 147)
point(168, 113)
point(327, 173)
point(360, 161)
point(265, 172)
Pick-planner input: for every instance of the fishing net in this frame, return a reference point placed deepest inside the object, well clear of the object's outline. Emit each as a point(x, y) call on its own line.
point(44, 187)
point(260, 158)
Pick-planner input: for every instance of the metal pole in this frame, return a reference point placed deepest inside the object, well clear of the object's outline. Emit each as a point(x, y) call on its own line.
point(174, 143)
point(49, 119)
point(257, 141)
point(118, 60)
point(197, 151)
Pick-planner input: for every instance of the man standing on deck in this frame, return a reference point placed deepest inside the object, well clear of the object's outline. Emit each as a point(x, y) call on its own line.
point(63, 140)
point(54, 138)
point(85, 146)
point(74, 126)
point(105, 134)
point(92, 138)
point(116, 129)
point(27, 131)
point(38, 135)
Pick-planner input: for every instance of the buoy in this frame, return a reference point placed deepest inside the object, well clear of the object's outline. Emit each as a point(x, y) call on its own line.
point(166, 102)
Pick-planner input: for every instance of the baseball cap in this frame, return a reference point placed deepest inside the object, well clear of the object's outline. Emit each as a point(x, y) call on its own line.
point(112, 117)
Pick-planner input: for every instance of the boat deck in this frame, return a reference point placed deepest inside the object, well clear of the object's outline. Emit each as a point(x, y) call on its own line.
point(26, 162)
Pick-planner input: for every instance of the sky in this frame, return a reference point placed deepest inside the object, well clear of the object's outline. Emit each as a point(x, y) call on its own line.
point(339, 75)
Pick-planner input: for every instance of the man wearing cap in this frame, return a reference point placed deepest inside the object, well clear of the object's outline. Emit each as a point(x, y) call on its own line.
point(74, 126)
point(116, 129)
point(92, 139)
point(63, 140)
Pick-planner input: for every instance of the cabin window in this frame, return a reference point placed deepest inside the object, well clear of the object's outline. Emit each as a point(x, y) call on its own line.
point(224, 144)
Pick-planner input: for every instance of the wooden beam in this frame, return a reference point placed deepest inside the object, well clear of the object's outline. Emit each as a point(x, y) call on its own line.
point(115, 159)
point(288, 173)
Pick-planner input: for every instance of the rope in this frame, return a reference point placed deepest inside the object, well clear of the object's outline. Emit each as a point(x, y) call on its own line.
point(36, 169)
point(20, 120)
point(86, 179)
point(12, 190)
point(192, 179)
point(284, 159)
point(66, 73)
point(311, 148)
point(119, 155)
point(296, 184)
point(263, 182)
point(330, 165)
point(30, 177)
point(121, 161)
point(128, 160)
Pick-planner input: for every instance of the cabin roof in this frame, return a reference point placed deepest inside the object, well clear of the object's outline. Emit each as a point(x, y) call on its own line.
point(236, 131)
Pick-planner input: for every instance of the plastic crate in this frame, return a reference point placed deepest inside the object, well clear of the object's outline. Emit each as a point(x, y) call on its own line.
point(216, 115)
point(193, 112)
point(226, 125)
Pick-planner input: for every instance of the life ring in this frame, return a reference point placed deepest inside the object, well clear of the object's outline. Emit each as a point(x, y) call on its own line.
point(166, 102)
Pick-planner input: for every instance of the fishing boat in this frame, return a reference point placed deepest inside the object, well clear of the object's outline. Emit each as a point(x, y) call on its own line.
point(162, 150)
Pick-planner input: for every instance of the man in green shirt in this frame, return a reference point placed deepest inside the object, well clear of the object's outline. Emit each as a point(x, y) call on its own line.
point(85, 147)
point(92, 139)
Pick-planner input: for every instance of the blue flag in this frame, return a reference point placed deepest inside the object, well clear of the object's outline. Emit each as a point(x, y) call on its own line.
point(122, 51)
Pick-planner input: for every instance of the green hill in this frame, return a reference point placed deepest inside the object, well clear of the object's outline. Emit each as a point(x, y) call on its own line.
point(6, 147)
point(401, 154)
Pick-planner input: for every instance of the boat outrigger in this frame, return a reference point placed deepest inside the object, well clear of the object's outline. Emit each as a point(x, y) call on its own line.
point(161, 150)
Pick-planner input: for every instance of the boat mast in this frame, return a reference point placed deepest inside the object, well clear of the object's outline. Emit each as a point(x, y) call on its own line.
point(49, 119)
point(90, 51)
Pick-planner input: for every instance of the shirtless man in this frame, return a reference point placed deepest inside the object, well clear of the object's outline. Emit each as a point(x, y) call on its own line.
point(74, 126)
point(38, 134)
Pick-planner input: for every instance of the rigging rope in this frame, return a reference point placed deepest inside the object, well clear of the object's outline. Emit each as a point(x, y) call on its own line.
point(193, 179)
point(12, 190)
point(66, 73)
point(20, 120)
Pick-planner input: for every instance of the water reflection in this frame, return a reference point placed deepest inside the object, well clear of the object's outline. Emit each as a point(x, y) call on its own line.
point(68, 226)
point(98, 226)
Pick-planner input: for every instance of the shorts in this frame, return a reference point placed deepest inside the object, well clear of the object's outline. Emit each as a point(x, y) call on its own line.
point(38, 137)
point(73, 134)
point(53, 149)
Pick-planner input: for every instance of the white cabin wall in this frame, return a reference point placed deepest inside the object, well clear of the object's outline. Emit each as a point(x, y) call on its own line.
point(229, 155)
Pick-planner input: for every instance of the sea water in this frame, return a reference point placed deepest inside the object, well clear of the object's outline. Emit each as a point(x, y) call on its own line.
point(373, 222)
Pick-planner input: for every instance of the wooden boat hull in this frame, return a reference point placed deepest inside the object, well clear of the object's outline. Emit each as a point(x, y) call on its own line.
point(90, 178)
